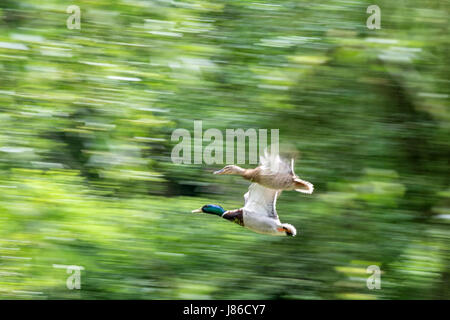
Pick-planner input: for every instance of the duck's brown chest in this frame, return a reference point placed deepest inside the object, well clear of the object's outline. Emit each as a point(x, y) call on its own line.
point(236, 216)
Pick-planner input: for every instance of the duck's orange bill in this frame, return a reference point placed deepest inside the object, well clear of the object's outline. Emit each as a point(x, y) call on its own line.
point(280, 229)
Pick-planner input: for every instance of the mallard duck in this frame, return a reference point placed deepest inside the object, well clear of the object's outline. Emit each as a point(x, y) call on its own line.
point(273, 172)
point(258, 214)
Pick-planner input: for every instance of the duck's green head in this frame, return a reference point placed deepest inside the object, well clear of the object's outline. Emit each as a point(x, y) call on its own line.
point(211, 209)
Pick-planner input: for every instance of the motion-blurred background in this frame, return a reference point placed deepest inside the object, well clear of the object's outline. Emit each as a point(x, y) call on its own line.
point(86, 176)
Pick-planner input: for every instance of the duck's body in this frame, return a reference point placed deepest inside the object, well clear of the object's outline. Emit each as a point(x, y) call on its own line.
point(273, 173)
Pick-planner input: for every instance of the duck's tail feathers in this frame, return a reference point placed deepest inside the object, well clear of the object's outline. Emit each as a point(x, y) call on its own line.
point(291, 228)
point(303, 186)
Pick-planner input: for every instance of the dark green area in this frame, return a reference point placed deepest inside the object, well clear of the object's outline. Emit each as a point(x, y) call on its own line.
point(86, 177)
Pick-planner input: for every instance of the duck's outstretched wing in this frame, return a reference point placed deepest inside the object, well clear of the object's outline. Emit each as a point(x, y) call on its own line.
point(278, 169)
point(261, 200)
point(272, 163)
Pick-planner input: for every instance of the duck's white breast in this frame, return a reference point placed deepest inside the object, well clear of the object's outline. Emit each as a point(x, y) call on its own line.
point(261, 224)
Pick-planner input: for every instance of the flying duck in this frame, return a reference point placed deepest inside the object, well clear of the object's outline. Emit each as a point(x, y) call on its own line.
point(273, 173)
point(258, 214)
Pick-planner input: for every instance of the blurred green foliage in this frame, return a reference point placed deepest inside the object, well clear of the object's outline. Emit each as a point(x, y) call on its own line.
point(86, 176)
